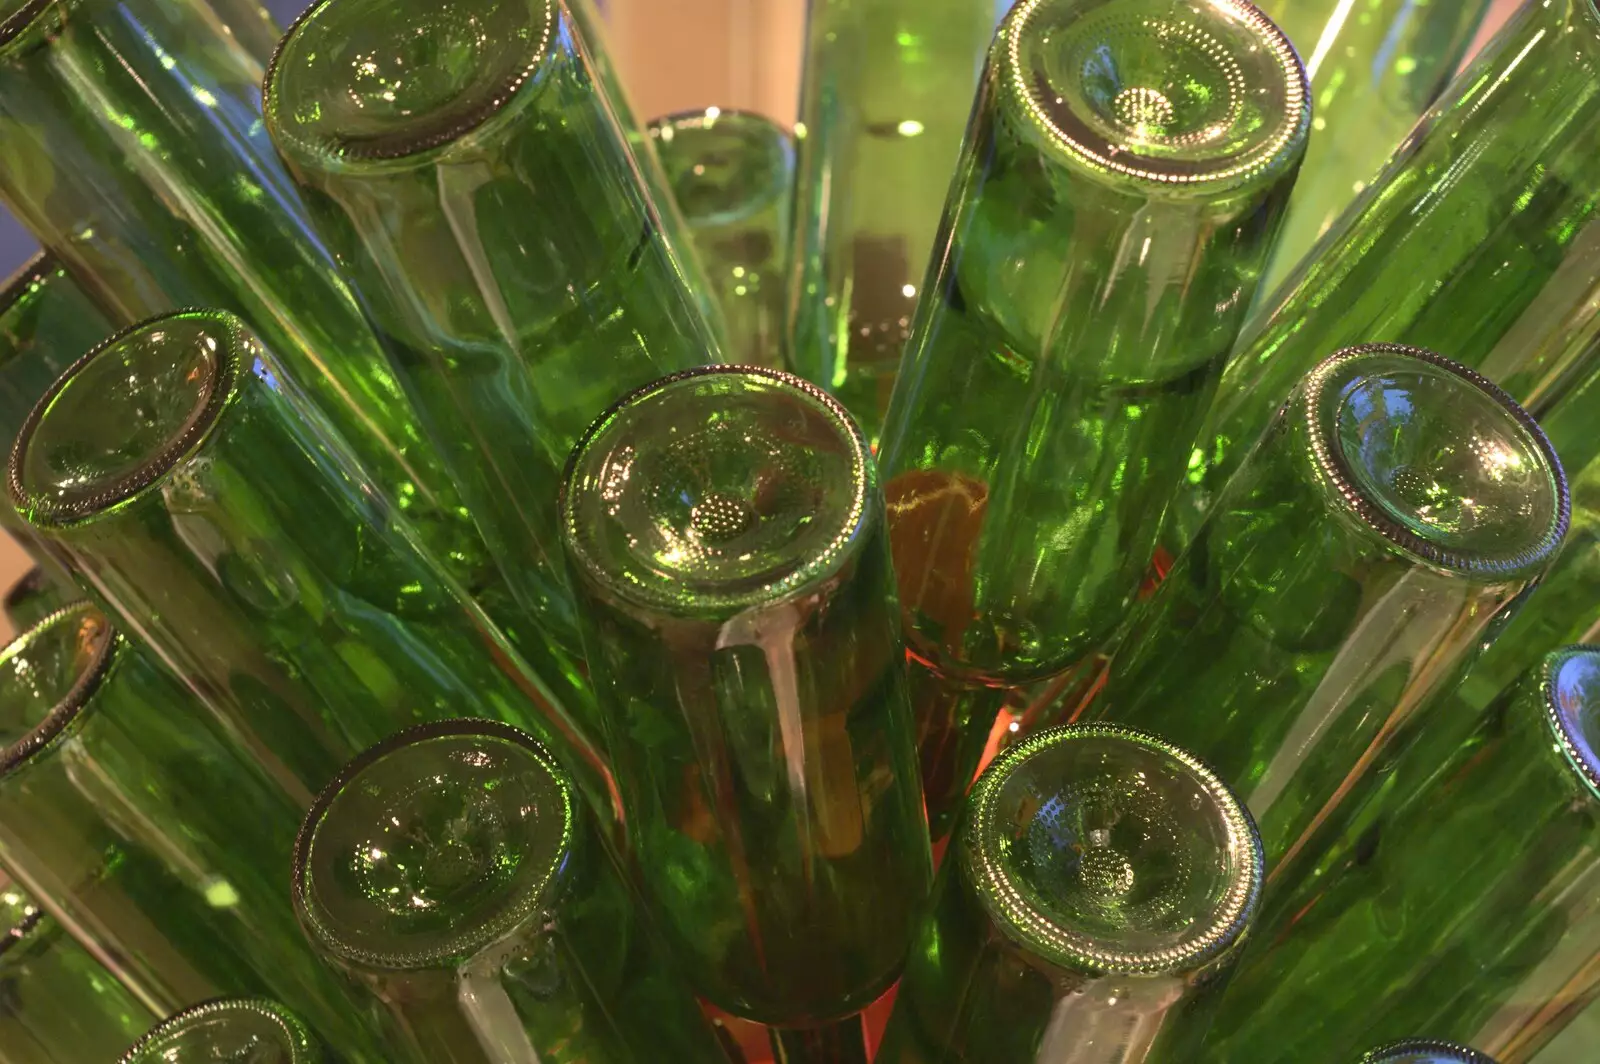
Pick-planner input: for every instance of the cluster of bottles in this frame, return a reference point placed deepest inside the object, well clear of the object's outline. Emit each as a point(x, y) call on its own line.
point(520, 585)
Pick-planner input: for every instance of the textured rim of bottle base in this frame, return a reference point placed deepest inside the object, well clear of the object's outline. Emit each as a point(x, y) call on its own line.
point(63, 717)
point(1273, 157)
point(39, 270)
point(49, 514)
point(1561, 722)
point(819, 567)
point(19, 933)
point(296, 1040)
point(1451, 1050)
point(1037, 933)
point(534, 896)
point(320, 152)
point(1332, 464)
point(20, 21)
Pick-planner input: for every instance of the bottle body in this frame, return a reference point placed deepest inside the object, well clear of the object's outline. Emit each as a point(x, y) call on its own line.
point(1474, 866)
point(142, 829)
point(741, 624)
point(59, 1004)
point(732, 175)
point(886, 94)
point(506, 250)
point(1473, 242)
point(1374, 71)
point(1316, 610)
point(1090, 276)
point(287, 593)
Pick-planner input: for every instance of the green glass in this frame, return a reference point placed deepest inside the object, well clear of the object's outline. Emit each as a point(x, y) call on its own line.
point(1481, 859)
point(887, 89)
point(228, 1029)
point(1388, 521)
point(491, 214)
point(198, 495)
point(451, 871)
point(732, 176)
point(1375, 67)
point(725, 531)
point(1424, 1051)
point(1096, 260)
point(135, 151)
point(248, 23)
point(1096, 895)
point(58, 1005)
point(35, 596)
point(46, 324)
point(137, 824)
point(1475, 241)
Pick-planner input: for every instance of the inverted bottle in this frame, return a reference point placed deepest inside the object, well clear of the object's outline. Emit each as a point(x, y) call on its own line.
point(452, 871)
point(60, 1005)
point(1477, 240)
point(147, 833)
point(1389, 519)
point(202, 499)
point(137, 155)
point(1124, 175)
point(491, 215)
point(886, 94)
point(1374, 71)
point(1477, 862)
point(725, 532)
point(1424, 1051)
point(1096, 894)
point(257, 1030)
point(732, 175)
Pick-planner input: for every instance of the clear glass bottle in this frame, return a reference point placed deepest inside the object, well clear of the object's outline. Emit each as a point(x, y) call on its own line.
point(1127, 166)
point(228, 1029)
point(139, 826)
point(1095, 897)
point(58, 1005)
point(1375, 68)
point(1477, 240)
point(199, 496)
point(451, 870)
point(732, 175)
point(1475, 861)
point(492, 216)
point(886, 92)
point(725, 531)
point(1391, 517)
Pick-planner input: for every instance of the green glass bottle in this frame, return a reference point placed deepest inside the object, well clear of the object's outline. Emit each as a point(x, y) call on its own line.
point(136, 153)
point(1475, 241)
point(725, 531)
point(58, 1005)
point(1424, 1051)
point(1481, 858)
point(1375, 67)
point(248, 23)
point(492, 217)
point(451, 870)
point(138, 825)
point(732, 176)
point(228, 1029)
point(1125, 171)
point(886, 93)
point(1387, 522)
point(35, 596)
point(1094, 899)
point(46, 324)
point(196, 493)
